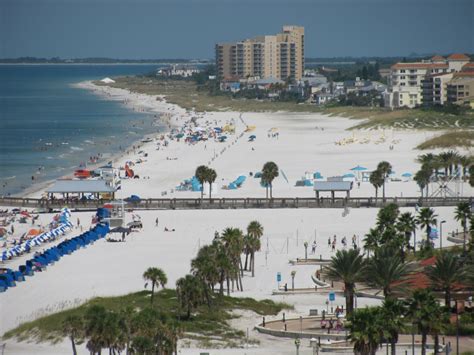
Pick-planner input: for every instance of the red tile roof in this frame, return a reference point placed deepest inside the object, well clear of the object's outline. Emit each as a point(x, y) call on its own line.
point(463, 74)
point(459, 56)
point(419, 66)
point(437, 58)
point(468, 67)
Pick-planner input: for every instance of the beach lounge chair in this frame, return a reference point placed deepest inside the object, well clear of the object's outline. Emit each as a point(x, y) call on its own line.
point(18, 276)
point(26, 270)
point(8, 278)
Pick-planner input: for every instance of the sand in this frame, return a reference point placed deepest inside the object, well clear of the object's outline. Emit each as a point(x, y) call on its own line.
point(306, 143)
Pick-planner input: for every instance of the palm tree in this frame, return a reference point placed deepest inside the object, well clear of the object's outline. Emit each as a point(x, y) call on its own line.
point(425, 219)
point(347, 266)
point(205, 267)
point(471, 175)
point(465, 161)
point(376, 180)
point(269, 173)
point(387, 216)
point(366, 329)
point(406, 224)
point(385, 169)
point(157, 277)
point(426, 315)
point(211, 177)
point(393, 323)
point(445, 273)
point(422, 178)
point(428, 159)
point(255, 232)
point(293, 274)
point(94, 324)
point(463, 214)
point(372, 240)
point(201, 175)
point(190, 293)
point(233, 240)
point(384, 269)
point(73, 327)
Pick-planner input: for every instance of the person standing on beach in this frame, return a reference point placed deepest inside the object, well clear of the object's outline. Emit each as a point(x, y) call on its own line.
point(156, 222)
point(78, 223)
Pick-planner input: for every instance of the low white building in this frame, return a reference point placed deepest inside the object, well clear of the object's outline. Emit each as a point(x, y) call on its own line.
point(184, 71)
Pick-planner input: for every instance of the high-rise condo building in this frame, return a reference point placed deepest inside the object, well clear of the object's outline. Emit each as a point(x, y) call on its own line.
point(279, 56)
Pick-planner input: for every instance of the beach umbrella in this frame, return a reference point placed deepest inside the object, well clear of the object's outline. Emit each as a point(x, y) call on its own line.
point(253, 136)
point(350, 175)
point(180, 135)
point(406, 175)
point(358, 168)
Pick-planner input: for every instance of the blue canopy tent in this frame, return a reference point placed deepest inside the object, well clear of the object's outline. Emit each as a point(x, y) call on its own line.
point(358, 168)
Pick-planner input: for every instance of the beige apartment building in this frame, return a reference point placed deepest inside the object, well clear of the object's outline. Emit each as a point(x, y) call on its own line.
point(460, 90)
point(279, 56)
point(412, 84)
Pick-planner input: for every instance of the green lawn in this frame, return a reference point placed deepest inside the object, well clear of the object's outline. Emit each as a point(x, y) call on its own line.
point(206, 325)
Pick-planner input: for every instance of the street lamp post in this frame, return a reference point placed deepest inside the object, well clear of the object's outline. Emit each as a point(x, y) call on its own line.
point(457, 328)
point(441, 234)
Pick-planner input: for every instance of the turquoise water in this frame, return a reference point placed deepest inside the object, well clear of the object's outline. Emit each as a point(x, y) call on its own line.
point(48, 128)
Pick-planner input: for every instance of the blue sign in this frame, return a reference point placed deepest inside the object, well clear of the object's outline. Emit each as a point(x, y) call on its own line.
point(434, 233)
point(278, 276)
point(332, 296)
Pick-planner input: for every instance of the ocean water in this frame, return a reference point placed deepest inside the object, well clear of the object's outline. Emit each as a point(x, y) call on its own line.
point(48, 127)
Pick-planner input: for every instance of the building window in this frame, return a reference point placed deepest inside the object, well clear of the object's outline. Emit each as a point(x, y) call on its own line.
point(402, 77)
point(402, 71)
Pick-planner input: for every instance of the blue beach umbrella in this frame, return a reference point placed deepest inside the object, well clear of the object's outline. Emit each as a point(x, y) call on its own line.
point(348, 175)
point(358, 168)
point(406, 175)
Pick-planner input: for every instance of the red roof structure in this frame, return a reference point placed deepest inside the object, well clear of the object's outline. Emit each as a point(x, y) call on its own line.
point(420, 66)
point(459, 57)
point(438, 58)
point(468, 67)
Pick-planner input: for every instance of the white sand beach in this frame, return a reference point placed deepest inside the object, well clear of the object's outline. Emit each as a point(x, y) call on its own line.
point(305, 143)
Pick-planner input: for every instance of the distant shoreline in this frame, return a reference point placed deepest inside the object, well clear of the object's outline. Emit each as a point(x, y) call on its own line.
point(110, 94)
point(115, 63)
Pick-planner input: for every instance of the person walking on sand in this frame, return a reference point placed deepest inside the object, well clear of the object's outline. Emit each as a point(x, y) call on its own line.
point(313, 248)
point(329, 241)
point(78, 223)
point(156, 222)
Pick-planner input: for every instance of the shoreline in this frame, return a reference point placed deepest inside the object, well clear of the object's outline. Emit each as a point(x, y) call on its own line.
point(129, 101)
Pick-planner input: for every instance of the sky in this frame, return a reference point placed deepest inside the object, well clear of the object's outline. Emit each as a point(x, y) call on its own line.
point(157, 29)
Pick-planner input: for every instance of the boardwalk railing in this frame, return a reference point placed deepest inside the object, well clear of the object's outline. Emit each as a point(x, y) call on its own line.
point(239, 203)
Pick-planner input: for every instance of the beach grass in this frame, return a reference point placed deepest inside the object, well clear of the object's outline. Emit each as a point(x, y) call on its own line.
point(189, 96)
point(454, 139)
point(206, 325)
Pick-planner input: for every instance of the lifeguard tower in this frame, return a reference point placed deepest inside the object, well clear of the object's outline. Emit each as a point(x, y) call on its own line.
point(116, 216)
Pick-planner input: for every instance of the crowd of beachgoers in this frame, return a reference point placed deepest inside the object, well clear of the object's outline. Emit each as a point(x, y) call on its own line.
point(305, 147)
